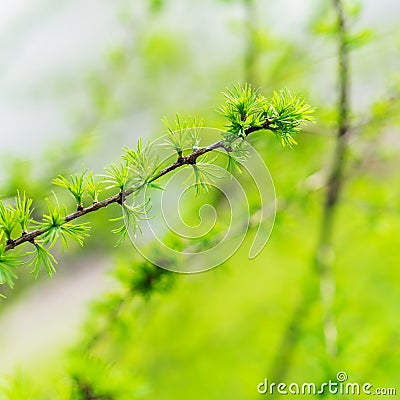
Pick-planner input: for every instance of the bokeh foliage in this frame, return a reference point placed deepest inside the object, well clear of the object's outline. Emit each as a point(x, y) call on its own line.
point(217, 335)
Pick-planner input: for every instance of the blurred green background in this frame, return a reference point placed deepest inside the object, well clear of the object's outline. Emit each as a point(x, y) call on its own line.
point(81, 80)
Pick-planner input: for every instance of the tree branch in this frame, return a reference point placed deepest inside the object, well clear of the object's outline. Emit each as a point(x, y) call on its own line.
point(322, 261)
point(334, 187)
point(189, 159)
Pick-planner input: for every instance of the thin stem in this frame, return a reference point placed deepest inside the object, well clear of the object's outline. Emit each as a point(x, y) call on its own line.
point(324, 251)
point(190, 159)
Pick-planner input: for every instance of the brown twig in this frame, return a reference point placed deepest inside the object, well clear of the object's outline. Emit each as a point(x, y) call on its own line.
point(189, 159)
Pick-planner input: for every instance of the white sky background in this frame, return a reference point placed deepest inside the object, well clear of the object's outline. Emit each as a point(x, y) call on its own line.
point(8, 10)
point(44, 40)
point(43, 43)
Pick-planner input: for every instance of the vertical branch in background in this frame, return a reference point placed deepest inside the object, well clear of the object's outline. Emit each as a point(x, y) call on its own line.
point(324, 251)
point(251, 53)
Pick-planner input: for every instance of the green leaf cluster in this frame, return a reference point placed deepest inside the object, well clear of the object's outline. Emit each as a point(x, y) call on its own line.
point(23, 211)
point(243, 108)
point(132, 214)
point(237, 155)
point(8, 263)
point(142, 163)
point(93, 188)
point(145, 279)
point(20, 215)
point(135, 171)
point(117, 176)
point(183, 134)
point(8, 220)
point(80, 184)
point(247, 110)
point(42, 257)
point(202, 177)
point(286, 113)
point(54, 226)
point(76, 185)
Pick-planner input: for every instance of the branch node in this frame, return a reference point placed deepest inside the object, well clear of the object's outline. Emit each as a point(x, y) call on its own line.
point(191, 160)
point(267, 123)
point(121, 198)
